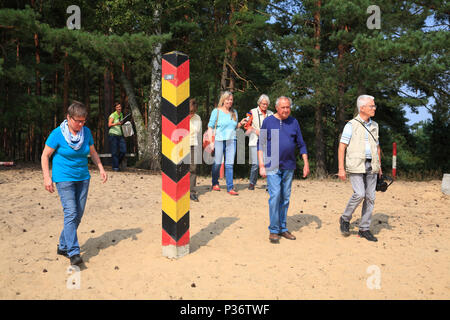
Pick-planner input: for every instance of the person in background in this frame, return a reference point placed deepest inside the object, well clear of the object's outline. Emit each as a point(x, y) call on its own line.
point(279, 137)
point(258, 115)
point(70, 144)
point(116, 140)
point(224, 120)
point(362, 162)
point(195, 123)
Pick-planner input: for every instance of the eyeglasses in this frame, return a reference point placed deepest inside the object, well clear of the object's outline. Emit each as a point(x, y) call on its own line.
point(78, 121)
point(373, 106)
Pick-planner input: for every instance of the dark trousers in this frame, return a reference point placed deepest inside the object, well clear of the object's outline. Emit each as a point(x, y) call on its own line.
point(118, 149)
point(193, 170)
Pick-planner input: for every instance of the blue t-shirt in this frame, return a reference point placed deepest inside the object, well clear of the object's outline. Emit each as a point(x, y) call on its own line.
point(226, 126)
point(282, 136)
point(69, 164)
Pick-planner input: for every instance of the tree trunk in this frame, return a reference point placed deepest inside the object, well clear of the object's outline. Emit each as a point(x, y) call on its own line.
point(340, 109)
point(55, 92)
point(154, 103)
point(318, 114)
point(141, 94)
point(107, 105)
point(66, 84)
point(38, 61)
point(37, 139)
point(87, 99)
point(100, 144)
point(123, 94)
point(225, 73)
point(141, 132)
point(206, 105)
point(233, 51)
point(113, 86)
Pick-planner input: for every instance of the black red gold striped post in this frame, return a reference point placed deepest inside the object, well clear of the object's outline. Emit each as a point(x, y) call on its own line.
point(175, 154)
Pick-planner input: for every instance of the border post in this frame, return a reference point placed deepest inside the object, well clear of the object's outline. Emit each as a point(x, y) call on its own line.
point(175, 154)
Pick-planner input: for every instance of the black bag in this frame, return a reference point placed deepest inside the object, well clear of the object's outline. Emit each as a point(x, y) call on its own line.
point(382, 185)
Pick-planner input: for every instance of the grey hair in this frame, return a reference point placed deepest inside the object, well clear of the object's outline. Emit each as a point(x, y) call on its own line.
point(263, 97)
point(281, 98)
point(77, 109)
point(362, 100)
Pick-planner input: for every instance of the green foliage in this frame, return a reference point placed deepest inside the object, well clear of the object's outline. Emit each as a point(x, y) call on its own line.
point(276, 50)
point(348, 59)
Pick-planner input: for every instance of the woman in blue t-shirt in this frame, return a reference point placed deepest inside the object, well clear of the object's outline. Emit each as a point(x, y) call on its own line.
point(224, 120)
point(70, 144)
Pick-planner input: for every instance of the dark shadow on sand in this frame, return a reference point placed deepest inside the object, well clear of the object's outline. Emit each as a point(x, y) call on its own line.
point(214, 229)
point(93, 246)
point(205, 188)
point(202, 189)
point(379, 222)
point(298, 221)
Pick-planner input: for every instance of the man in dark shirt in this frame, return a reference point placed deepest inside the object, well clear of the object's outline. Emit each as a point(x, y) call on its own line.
point(280, 135)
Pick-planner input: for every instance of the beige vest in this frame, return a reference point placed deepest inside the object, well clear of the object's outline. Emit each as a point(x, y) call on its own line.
point(258, 118)
point(356, 149)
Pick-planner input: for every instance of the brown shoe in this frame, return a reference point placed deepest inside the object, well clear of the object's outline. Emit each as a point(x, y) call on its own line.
point(274, 238)
point(288, 235)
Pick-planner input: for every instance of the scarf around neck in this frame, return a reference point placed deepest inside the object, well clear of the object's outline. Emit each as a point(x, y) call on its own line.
point(74, 141)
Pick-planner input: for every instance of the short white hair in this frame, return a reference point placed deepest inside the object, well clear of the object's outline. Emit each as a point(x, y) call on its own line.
point(362, 100)
point(263, 97)
point(282, 98)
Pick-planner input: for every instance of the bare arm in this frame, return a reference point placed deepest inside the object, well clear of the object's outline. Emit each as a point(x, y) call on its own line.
point(379, 157)
point(210, 134)
point(96, 159)
point(305, 165)
point(242, 122)
point(111, 124)
point(262, 168)
point(45, 161)
point(341, 153)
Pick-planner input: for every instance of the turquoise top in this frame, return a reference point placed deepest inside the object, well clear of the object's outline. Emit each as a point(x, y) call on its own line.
point(69, 164)
point(226, 126)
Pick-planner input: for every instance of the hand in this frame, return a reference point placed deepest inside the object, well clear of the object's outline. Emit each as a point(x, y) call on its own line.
point(342, 175)
point(48, 184)
point(305, 170)
point(103, 175)
point(380, 173)
point(211, 145)
point(262, 171)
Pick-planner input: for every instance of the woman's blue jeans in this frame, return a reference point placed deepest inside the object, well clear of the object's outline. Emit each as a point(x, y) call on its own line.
point(279, 183)
point(73, 195)
point(227, 149)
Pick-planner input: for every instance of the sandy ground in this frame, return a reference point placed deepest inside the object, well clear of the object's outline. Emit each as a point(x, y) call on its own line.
point(230, 254)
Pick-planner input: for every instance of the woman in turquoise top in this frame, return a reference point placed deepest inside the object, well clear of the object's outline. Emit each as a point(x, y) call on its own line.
point(70, 145)
point(224, 119)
